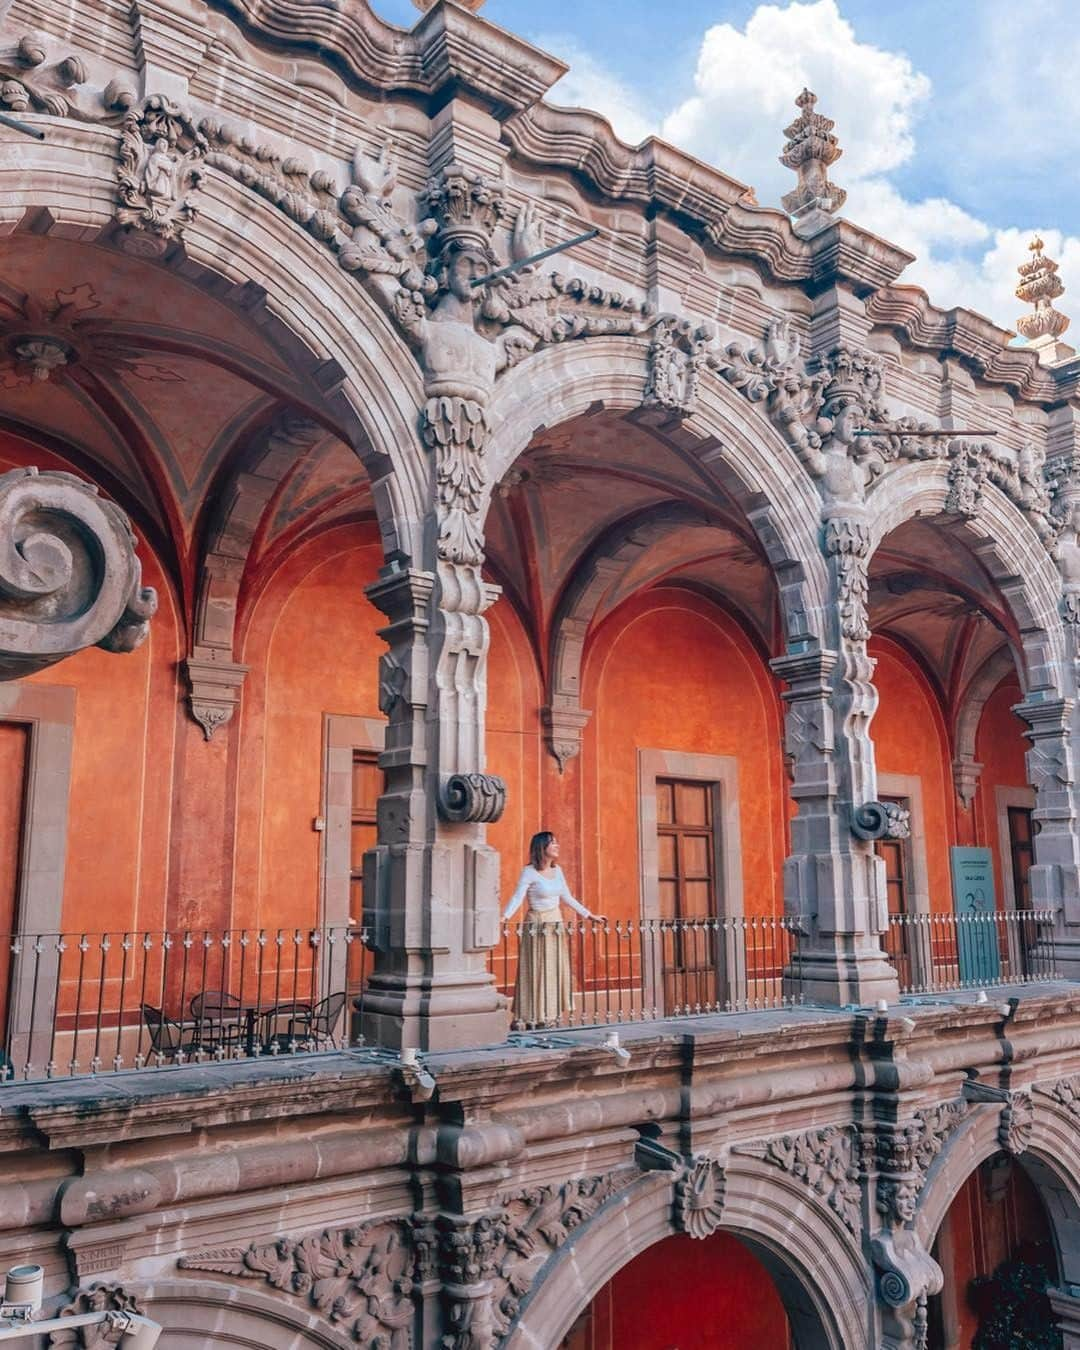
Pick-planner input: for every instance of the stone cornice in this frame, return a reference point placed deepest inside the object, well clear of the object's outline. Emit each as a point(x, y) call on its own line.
point(447, 49)
point(972, 338)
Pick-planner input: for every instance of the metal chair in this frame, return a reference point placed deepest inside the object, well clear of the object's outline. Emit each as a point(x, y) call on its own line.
point(287, 1026)
point(166, 1035)
point(325, 1017)
point(218, 1019)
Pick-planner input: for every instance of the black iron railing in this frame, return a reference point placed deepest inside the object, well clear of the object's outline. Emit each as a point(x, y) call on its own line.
point(89, 1003)
point(596, 972)
point(936, 952)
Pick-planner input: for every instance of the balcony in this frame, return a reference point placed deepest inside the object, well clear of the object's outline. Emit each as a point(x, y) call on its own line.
point(87, 1004)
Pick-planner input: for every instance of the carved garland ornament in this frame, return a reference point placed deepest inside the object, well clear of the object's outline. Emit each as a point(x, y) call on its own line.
point(825, 1161)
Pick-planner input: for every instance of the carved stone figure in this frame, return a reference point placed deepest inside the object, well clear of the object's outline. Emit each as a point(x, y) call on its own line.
point(160, 156)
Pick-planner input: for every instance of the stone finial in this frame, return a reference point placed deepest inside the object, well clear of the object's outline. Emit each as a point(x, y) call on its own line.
point(811, 148)
point(471, 5)
point(1040, 286)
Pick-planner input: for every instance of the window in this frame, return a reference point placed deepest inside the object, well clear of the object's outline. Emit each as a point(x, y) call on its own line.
point(367, 784)
point(1022, 853)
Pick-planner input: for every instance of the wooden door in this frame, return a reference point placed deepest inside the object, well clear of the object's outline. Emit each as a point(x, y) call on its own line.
point(898, 939)
point(14, 759)
point(687, 876)
point(1022, 853)
point(367, 785)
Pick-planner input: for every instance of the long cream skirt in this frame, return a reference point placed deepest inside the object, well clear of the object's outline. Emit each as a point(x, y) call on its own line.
point(543, 993)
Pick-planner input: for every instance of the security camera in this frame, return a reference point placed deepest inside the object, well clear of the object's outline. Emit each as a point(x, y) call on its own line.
point(140, 1334)
point(24, 1287)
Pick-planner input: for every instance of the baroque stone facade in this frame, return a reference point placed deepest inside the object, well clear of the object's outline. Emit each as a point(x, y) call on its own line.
point(400, 299)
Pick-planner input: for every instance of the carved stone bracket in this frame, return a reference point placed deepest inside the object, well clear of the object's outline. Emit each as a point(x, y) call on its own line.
point(475, 797)
point(1017, 1114)
point(563, 728)
point(699, 1198)
point(907, 1275)
point(215, 682)
point(69, 574)
point(904, 1154)
point(881, 820)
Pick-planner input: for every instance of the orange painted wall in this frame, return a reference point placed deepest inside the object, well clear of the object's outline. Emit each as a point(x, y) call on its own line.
point(514, 748)
point(117, 864)
point(910, 738)
point(999, 747)
point(980, 1232)
point(313, 649)
point(725, 1300)
point(669, 671)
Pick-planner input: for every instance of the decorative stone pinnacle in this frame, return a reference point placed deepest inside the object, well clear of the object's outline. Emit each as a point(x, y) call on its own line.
point(1040, 286)
point(471, 5)
point(811, 147)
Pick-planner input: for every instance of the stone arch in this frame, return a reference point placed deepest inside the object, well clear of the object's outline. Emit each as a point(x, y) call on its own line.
point(756, 468)
point(242, 247)
point(1051, 1158)
point(813, 1259)
point(196, 1314)
point(966, 768)
point(1005, 543)
point(563, 716)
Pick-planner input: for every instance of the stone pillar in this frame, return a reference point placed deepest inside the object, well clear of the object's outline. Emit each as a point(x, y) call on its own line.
point(1055, 876)
point(831, 878)
point(431, 884)
point(1065, 1303)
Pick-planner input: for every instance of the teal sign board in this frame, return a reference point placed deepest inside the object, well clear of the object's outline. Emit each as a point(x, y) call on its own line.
point(973, 893)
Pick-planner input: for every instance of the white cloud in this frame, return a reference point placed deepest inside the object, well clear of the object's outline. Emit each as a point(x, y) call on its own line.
point(745, 84)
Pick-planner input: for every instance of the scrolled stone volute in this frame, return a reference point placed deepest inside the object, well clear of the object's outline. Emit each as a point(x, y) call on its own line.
point(69, 574)
point(880, 820)
point(473, 797)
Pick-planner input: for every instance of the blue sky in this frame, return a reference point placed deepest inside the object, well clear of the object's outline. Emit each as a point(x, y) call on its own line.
point(958, 121)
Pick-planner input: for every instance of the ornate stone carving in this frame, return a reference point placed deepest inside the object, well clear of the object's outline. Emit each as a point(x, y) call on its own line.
point(811, 149)
point(907, 1275)
point(30, 82)
point(359, 1278)
point(904, 1154)
point(215, 681)
point(847, 539)
point(1066, 553)
point(1040, 286)
point(1017, 1123)
point(699, 1198)
point(161, 151)
point(881, 820)
point(1065, 1091)
point(965, 482)
point(966, 774)
point(477, 797)
point(678, 354)
point(69, 574)
point(97, 1298)
point(825, 1160)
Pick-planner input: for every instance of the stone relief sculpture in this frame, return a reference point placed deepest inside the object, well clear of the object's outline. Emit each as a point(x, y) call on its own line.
point(160, 157)
point(69, 574)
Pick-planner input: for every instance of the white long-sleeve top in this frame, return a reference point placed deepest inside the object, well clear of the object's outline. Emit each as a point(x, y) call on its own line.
point(544, 891)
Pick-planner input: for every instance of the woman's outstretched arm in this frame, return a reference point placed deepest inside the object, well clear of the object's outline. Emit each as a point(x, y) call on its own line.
point(515, 900)
point(574, 904)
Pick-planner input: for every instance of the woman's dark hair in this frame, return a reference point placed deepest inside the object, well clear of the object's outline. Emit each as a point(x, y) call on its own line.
point(538, 847)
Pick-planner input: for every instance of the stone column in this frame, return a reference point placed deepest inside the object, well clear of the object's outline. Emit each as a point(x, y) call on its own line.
point(431, 884)
point(831, 878)
point(1065, 1303)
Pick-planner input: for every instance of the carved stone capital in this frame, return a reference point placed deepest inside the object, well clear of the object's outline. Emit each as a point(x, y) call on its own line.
point(215, 680)
point(69, 574)
point(966, 774)
point(97, 1298)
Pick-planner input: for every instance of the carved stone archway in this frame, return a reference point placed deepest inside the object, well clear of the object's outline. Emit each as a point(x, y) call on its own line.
point(812, 1258)
point(1047, 1147)
point(279, 273)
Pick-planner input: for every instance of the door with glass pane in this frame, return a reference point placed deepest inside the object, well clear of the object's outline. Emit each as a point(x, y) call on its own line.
point(689, 907)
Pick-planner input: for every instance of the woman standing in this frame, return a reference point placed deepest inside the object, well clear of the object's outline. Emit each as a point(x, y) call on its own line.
point(543, 992)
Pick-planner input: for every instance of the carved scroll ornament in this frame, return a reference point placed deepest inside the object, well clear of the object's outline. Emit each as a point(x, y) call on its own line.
point(473, 797)
point(69, 574)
